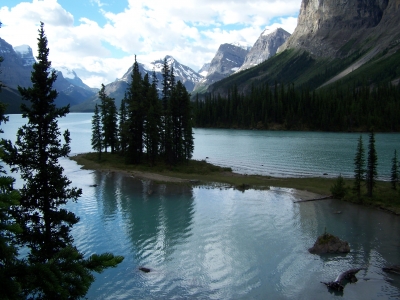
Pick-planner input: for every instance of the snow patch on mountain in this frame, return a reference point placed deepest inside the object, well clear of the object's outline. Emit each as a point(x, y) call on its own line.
point(67, 73)
point(242, 45)
point(23, 49)
point(25, 53)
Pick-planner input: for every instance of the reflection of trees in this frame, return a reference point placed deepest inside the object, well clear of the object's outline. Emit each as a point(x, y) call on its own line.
point(106, 192)
point(157, 217)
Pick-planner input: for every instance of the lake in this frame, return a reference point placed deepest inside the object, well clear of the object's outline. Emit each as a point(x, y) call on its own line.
point(221, 243)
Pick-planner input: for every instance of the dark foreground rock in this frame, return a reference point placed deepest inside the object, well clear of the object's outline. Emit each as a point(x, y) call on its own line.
point(328, 243)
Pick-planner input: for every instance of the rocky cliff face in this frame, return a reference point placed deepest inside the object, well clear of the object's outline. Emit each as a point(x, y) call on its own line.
point(328, 28)
point(228, 59)
point(265, 47)
point(14, 72)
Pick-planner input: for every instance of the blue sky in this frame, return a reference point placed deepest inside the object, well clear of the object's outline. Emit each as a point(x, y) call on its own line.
point(99, 38)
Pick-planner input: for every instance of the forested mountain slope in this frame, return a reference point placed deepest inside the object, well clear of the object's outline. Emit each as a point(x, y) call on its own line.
point(353, 41)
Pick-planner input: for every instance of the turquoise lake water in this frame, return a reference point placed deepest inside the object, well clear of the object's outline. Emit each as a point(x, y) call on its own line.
point(220, 243)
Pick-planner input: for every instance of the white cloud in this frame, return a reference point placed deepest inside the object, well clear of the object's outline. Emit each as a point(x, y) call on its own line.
point(190, 30)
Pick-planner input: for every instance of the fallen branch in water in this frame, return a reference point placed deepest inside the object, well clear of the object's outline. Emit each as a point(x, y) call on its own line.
point(392, 269)
point(349, 275)
point(314, 199)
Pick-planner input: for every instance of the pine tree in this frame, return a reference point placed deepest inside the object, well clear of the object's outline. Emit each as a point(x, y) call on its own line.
point(166, 85)
point(153, 127)
point(372, 163)
point(1, 60)
point(359, 169)
point(181, 115)
point(394, 176)
point(135, 120)
point(57, 270)
point(109, 118)
point(97, 135)
point(165, 97)
point(122, 126)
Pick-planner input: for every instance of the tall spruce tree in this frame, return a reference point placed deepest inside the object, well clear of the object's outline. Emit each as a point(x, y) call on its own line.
point(97, 134)
point(135, 120)
point(57, 270)
point(109, 119)
point(181, 127)
point(122, 126)
point(372, 163)
point(153, 122)
point(359, 168)
point(394, 175)
point(1, 60)
point(167, 131)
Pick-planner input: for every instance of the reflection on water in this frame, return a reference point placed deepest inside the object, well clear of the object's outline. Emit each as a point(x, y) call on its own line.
point(217, 243)
point(213, 243)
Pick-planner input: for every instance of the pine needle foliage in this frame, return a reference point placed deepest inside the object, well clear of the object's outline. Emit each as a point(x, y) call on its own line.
point(53, 267)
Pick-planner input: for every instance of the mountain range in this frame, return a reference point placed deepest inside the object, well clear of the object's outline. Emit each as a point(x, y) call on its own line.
point(347, 41)
point(117, 88)
point(16, 71)
point(229, 58)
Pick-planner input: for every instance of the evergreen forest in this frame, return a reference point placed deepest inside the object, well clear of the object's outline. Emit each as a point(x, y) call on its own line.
point(285, 107)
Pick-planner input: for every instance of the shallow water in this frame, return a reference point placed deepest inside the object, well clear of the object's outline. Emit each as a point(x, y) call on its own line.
point(220, 243)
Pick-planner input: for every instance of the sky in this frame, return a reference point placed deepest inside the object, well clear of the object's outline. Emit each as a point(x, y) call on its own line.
point(99, 39)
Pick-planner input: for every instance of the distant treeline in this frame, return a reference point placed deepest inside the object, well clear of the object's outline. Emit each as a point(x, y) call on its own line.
point(285, 107)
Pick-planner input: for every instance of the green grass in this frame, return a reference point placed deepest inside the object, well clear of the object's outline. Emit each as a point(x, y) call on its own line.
point(204, 173)
point(384, 197)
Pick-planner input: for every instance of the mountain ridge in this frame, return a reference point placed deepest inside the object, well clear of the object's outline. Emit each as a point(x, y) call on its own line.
point(332, 41)
point(16, 71)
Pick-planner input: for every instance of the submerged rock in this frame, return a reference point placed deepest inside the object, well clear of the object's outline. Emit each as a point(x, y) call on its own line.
point(328, 243)
point(144, 269)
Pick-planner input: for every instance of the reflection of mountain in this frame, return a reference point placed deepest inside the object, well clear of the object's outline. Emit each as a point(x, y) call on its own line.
point(156, 217)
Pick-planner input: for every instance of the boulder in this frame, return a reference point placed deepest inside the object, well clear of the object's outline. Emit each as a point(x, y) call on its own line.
point(328, 243)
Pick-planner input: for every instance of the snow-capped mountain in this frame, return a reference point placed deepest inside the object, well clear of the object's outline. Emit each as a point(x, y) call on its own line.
point(265, 47)
point(25, 53)
point(74, 79)
point(118, 88)
point(17, 68)
point(182, 73)
point(228, 59)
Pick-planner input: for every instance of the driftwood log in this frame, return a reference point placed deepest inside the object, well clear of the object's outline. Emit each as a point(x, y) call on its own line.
point(392, 269)
point(349, 275)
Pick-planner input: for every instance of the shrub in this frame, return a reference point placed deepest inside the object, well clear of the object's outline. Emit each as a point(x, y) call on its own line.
point(338, 189)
